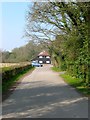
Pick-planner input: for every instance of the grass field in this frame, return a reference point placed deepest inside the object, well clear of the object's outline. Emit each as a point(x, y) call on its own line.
point(2, 65)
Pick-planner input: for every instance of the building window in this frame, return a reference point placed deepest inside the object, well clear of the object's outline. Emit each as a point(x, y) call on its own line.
point(40, 61)
point(47, 57)
point(40, 56)
point(47, 61)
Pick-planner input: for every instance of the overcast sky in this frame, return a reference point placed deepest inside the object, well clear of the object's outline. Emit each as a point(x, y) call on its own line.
point(13, 24)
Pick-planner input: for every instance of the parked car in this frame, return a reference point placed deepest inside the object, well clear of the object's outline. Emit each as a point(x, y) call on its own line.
point(36, 64)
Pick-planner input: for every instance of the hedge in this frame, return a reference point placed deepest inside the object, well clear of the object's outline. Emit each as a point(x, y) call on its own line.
point(80, 71)
point(7, 75)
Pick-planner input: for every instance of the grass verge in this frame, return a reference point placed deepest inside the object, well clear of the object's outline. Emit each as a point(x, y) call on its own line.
point(77, 83)
point(56, 69)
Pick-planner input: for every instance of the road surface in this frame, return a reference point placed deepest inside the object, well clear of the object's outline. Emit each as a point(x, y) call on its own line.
point(43, 94)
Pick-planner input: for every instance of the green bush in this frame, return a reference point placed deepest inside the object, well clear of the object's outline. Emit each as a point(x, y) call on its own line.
point(8, 74)
point(56, 69)
point(63, 67)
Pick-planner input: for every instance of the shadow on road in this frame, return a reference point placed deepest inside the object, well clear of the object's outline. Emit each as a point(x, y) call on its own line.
point(50, 101)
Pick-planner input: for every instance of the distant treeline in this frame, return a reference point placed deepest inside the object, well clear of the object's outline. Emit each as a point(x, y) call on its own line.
point(23, 54)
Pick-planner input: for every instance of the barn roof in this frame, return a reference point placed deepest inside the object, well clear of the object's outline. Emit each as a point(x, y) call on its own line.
point(43, 53)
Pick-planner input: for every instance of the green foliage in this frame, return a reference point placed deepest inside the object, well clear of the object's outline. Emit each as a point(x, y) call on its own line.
point(63, 66)
point(69, 25)
point(9, 76)
point(6, 68)
point(9, 73)
point(56, 69)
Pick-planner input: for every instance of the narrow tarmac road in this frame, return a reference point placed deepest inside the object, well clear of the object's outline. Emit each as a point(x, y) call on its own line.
point(43, 94)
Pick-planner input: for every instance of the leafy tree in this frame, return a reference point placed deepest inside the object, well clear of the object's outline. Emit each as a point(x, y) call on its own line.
point(65, 25)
